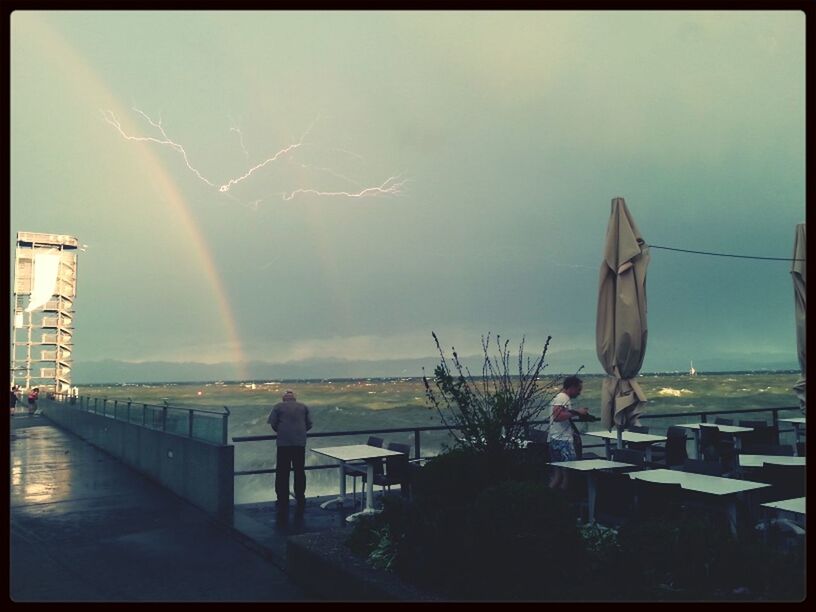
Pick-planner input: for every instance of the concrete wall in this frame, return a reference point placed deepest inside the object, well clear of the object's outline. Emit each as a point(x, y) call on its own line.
point(198, 471)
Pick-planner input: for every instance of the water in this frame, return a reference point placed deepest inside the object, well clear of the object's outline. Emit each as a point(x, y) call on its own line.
point(339, 405)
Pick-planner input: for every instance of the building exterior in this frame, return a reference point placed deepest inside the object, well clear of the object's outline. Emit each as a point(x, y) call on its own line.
point(45, 280)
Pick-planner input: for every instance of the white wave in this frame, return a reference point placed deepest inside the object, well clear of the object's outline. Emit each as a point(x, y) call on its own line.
point(673, 392)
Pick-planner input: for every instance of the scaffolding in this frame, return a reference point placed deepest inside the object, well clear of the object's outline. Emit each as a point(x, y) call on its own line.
point(45, 276)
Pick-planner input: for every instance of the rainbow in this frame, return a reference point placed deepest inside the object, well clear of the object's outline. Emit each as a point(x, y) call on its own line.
point(90, 84)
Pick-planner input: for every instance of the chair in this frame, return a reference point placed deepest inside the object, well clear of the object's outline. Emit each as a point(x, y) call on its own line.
point(397, 469)
point(629, 455)
point(357, 469)
point(656, 499)
point(722, 421)
point(714, 446)
point(638, 428)
point(777, 450)
point(787, 481)
point(800, 449)
point(674, 452)
point(762, 434)
point(615, 495)
point(697, 466)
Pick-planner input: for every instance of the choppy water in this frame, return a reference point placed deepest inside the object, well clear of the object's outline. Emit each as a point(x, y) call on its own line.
point(342, 405)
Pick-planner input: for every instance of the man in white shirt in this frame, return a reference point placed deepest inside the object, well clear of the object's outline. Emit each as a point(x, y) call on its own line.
point(559, 437)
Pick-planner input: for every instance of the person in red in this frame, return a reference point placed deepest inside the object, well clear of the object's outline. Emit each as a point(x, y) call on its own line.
point(33, 396)
point(290, 420)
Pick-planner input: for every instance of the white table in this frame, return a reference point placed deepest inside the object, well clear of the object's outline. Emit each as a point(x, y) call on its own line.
point(760, 460)
point(733, 430)
point(795, 505)
point(702, 483)
point(355, 452)
point(589, 466)
point(628, 436)
point(798, 424)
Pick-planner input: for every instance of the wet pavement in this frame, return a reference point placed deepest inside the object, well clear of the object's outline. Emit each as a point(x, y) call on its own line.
point(85, 527)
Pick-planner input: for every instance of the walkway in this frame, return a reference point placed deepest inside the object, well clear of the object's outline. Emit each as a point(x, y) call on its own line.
point(85, 527)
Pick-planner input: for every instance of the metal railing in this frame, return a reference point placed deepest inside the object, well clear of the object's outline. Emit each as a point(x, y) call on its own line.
point(417, 431)
point(199, 423)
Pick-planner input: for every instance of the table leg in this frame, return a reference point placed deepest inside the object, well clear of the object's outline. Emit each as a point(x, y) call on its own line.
point(608, 445)
point(649, 454)
point(796, 427)
point(591, 494)
point(697, 437)
point(369, 509)
point(737, 443)
point(340, 500)
point(732, 516)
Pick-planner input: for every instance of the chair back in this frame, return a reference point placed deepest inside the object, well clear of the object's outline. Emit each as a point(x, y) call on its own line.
point(615, 495)
point(800, 449)
point(776, 450)
point(788, 481)
point(722, 421)
point(375, 441)
point(698, 466)
point(638, 428)
point(762, 434)
point(710, 439)
point(655, 499)
point(396, 467)
point(676, 452)
point(629, 455)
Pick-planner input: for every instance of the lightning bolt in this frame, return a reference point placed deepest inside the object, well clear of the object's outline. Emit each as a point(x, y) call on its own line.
point(390, 187)
point(237, 130)
point(111, 118)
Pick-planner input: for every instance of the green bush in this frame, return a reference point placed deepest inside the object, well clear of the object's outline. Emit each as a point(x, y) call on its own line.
point(691, 555)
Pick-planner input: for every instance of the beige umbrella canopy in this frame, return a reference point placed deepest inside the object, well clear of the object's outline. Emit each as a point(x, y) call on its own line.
point(798, 274)
point(620, 332)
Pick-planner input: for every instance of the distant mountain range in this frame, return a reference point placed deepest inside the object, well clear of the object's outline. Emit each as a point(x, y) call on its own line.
point(562, 362)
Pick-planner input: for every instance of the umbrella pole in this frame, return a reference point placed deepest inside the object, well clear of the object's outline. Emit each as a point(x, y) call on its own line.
point(620, 436)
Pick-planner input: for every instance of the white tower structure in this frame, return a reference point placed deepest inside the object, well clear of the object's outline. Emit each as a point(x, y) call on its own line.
point(45, 277)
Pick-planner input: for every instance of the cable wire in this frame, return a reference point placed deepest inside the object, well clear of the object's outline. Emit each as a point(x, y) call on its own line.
point(654, 246)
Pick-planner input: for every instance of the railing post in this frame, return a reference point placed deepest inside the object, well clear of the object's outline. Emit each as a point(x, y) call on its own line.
point(104, 406)
point(416, 444)
point(144, 414)
point(130, 401)
point(190, 425)
point(115, 409)
point(775, 417)
point(164, 416)
point(704, 417)
point(224, 426)
point(96, 405)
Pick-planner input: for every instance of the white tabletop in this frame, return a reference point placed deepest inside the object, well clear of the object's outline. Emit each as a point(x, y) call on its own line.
point(586, 465)
point(722, 428)
point(800, 420)
point(628, 436)
point(759, 460)
point(797, 504)
point(355, 452)
point(714, 485)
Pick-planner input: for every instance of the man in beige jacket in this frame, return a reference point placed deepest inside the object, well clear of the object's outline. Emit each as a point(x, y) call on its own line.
point(290, 420)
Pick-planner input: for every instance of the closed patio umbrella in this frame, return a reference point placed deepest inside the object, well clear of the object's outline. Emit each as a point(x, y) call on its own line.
point(798, 274)
point(621, 331)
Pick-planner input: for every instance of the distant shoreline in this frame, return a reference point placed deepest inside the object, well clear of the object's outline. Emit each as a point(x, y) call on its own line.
point(262, 381)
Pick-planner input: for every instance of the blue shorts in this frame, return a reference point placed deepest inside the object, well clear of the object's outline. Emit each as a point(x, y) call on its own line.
point(562, 450)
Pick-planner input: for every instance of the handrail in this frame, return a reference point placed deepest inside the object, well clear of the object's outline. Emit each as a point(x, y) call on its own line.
point(417, 431)
point(159, 414)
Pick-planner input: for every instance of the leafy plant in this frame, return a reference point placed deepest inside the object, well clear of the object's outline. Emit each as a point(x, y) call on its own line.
point(490, 413)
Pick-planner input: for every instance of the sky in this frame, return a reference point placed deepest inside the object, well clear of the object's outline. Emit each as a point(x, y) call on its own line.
point(287, 186)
